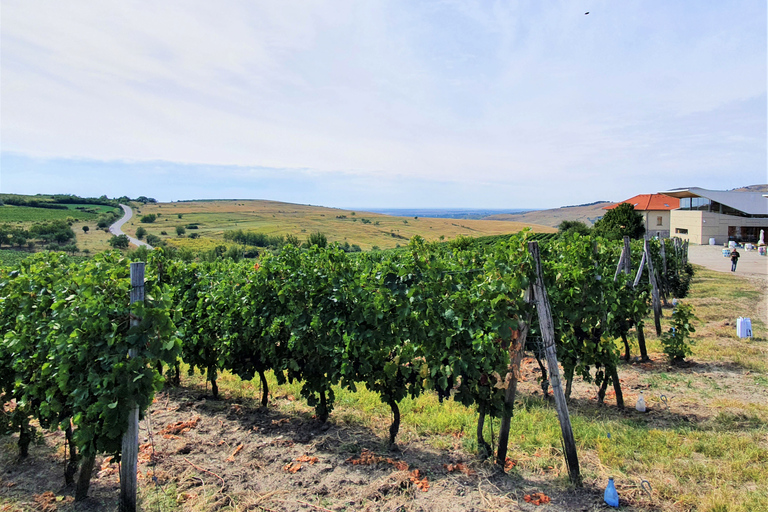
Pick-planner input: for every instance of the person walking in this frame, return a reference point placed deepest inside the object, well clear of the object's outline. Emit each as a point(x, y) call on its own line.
point(734, 259)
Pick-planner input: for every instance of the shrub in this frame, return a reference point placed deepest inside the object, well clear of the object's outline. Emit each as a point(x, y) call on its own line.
point(119, 242)
point(148, 219)
point(317, 238)
point(676, 341)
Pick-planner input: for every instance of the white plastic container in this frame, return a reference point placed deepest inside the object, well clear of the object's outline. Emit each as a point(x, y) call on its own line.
point(712, 241)
point(744, 327)
point(732, 244)
point(640, 406)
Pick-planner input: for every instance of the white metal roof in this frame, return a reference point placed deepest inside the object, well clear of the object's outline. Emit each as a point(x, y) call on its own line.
point(751, 203)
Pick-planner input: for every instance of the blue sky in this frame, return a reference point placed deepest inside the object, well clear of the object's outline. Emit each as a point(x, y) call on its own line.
point(382, 104)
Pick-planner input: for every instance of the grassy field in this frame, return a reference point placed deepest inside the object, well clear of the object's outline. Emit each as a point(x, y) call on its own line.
point(274, 218)
point(28, 215)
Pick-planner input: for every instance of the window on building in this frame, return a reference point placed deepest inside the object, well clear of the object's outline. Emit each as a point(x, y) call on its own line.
point(659, 221)
point(681, 231)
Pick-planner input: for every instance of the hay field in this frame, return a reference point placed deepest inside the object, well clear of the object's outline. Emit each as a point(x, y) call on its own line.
point(365, 229)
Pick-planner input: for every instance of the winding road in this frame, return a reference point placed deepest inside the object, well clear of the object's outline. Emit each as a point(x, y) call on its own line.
point(116, 230)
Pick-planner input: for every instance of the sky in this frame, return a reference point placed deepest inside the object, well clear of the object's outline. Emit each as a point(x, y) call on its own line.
point(428, 104)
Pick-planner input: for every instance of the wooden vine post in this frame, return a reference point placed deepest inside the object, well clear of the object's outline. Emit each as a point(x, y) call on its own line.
point(654, 288)
point(547, 328)
point(627, 256)
point(130, 448)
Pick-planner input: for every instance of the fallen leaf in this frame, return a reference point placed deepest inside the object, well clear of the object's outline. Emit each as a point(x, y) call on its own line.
point(231, 458)
point(180, 427)
point(419, 481)
point(291, 467)
point(307, 458)
point(461, 467)
point(537, 498)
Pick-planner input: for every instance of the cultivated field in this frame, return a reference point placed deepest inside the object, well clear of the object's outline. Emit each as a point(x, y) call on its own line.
point(273, 218)
point(703, 446)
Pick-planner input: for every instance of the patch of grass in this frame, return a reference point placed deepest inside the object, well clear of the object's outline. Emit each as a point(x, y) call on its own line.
point(27, 214)
point(275, 218)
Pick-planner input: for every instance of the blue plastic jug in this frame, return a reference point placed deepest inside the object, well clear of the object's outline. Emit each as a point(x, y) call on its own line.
point(611, 497)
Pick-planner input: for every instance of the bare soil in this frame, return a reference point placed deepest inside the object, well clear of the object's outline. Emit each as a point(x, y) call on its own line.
point(203, 454)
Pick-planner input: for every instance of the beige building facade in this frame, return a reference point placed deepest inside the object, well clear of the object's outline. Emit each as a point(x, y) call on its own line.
point(719, 216)
point(657, 223)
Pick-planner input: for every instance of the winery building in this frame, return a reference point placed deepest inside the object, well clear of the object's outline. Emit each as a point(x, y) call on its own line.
point(655, 209)
point(722, 216)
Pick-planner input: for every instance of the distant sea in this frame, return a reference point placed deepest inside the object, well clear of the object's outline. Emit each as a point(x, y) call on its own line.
point(443, 213)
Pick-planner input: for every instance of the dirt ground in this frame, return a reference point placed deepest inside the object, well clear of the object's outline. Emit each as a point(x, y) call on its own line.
point(212, 454)
point(203, 454)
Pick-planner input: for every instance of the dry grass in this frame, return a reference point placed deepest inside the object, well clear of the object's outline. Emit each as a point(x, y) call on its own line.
point(274, 218)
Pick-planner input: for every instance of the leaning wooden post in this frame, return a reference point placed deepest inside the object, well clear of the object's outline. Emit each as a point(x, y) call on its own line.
point(547, 327)
point(621, 265)
point(654, 288)
point(130, 448)
point(628, 255)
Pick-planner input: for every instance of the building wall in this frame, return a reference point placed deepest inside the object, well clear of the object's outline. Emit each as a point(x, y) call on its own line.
point(652, 226)
point(702, 225)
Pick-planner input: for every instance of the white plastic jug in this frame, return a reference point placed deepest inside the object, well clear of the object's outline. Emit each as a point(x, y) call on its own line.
point(640, 406)
point(744, 327)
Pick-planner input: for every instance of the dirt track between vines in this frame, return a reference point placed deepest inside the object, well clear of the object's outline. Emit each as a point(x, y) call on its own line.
point(210, 454)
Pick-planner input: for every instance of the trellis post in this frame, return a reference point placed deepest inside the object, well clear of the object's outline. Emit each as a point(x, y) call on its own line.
point(654, 287)
point(547, 328)
point(130, 448)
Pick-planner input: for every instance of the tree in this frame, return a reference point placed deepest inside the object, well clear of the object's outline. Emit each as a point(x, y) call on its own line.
point(85, 229)
point(119, 242)
point(573, 226)
point(140, 232)
point(154, 240)
point(149, 218)
point(319, 239)
point(180, 230)
point(620, 222)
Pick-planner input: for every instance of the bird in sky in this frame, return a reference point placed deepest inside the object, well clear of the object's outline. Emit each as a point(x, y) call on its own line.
point(586, 13)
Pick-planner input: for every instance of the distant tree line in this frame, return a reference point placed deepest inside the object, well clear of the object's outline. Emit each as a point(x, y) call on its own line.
point(56, 235)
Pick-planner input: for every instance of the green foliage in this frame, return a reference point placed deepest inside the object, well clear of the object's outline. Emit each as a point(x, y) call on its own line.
point(154, 240)
point(180, 230)
point(148, 219)
point(67, 333)
point(573, 226)
point(120, 242)
point(677, 341)
point(620, 222)
point(254, 239)
point(317, 238)
point(140, 232)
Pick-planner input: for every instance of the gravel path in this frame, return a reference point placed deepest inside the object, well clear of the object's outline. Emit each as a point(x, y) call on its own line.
point(116, 228)
point(750, 264)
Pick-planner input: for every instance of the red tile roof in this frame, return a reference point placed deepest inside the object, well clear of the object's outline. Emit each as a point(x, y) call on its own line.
point(650, 202)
